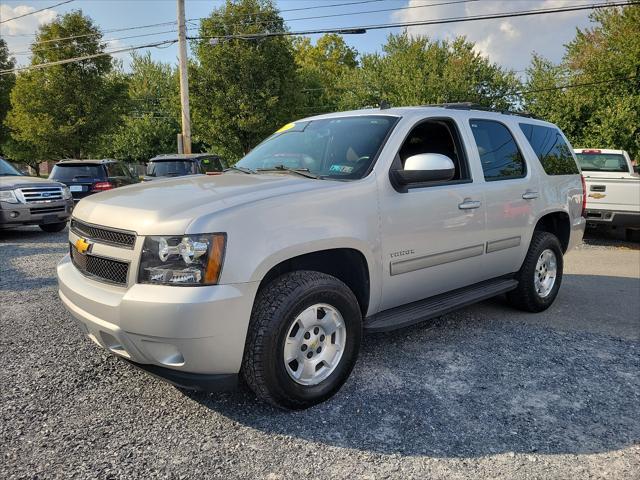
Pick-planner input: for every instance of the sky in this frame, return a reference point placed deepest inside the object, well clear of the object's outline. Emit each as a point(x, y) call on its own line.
point(507, 42)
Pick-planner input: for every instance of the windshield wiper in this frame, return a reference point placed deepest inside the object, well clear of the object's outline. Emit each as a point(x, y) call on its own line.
point(305, 172)
point(9, 175)
point(240, 169)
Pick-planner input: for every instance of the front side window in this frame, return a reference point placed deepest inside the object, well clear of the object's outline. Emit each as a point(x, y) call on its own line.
point(337, 148)
point(499, 154)
point(552, 150)
point(602, 162)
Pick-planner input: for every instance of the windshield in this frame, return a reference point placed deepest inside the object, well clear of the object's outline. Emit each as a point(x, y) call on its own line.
point(166, 168)
point(79, 172)
point(602, 162)
point(8, 170)
point(340, 148)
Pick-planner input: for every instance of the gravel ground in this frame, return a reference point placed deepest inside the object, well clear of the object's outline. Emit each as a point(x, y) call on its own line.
point(484, 392)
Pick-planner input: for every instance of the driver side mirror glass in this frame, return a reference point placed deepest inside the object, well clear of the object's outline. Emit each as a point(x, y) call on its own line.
point(426, 167)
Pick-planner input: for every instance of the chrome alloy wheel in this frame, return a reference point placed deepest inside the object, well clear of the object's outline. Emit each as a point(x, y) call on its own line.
point(545, 274)
point(314, 344)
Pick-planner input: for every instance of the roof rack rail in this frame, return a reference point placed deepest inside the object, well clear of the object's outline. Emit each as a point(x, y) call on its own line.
point(476, 106)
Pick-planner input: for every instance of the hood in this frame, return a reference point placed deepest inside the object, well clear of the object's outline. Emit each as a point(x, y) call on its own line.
point(168, 206)
point(11, 182)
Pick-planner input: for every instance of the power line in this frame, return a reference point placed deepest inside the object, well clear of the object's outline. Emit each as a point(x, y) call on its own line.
point(258, 36)
point(35, 11)
point(519, 13)
point(451, 2)
point(86, 57)
point(574, 85)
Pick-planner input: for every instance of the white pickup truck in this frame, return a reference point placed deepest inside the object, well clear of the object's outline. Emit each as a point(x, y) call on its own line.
point(613, 188)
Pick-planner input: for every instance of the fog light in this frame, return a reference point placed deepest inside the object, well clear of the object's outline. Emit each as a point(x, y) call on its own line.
point(14, 214)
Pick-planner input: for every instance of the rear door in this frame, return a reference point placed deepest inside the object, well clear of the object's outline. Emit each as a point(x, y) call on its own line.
point(510, 193)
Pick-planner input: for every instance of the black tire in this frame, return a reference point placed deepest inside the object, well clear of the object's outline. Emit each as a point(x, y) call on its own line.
point(525, 297)
point(276, 307)
point(632, 235)
point(53, 227)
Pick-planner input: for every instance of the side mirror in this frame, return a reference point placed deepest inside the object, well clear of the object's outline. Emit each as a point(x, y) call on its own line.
point(426, 167)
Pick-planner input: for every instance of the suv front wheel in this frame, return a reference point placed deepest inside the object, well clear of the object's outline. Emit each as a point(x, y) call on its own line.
point(303, 339)
point(540, 276)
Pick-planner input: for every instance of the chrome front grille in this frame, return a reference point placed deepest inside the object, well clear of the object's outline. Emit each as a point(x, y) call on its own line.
point(100, 268)
point(39, 194)
point(109, 236)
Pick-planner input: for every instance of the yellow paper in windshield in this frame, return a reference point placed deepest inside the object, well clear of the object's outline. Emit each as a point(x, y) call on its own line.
point(288, 126)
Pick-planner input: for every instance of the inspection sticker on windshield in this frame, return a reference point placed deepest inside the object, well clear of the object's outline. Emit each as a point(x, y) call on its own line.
point(288, 126)
point(341, 168)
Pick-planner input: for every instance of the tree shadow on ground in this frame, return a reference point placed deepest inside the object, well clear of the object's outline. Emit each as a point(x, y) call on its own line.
point(484, 380)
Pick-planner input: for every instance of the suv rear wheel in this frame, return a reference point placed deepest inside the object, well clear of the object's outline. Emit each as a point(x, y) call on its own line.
point(303, 339)
point(540, 276)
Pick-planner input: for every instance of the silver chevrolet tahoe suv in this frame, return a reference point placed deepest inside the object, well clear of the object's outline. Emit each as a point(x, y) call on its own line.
point(335, 225)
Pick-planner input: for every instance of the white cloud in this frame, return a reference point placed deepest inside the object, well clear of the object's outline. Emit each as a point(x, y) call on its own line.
point(509, 42)
point(18, 33)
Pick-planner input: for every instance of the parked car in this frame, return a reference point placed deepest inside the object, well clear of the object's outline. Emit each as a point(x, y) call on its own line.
point(86, 177)
point(179, 164)
point(28, 200)
point(613, 188)
point(368, 220)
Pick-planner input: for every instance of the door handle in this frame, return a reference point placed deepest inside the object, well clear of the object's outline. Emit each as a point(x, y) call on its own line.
point(468, 204)
point(530, 195)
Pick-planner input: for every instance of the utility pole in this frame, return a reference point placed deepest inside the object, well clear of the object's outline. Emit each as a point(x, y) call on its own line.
point(184, 81)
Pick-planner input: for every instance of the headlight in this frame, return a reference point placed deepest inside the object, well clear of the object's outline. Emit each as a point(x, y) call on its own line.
point(8, 196)
point(66, 193)
point(186, 260)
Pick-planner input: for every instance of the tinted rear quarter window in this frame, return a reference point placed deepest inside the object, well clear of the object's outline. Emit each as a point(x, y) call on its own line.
point(499, 153)
point(79, 172)
point(551, 149)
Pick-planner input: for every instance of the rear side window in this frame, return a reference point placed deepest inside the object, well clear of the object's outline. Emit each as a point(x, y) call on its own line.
point(499, 154)
point(77, 172)
point(552, 151)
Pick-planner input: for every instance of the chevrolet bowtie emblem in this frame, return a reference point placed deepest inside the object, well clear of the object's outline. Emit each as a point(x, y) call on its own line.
point(82, 245)
point(597, 196)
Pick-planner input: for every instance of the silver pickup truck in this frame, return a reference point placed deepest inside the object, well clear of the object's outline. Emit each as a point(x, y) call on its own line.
point(356, 221)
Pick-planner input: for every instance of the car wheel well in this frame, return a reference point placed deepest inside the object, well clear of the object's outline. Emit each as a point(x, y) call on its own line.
point(346, 264)
point(557, 223)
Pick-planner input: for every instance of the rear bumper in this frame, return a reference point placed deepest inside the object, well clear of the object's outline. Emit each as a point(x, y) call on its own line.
point(613, 218)
point(16, 214)
point(577, 232)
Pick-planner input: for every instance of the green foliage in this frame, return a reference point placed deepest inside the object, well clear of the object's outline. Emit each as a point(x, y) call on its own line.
point(415, 70)
point(241, 90)
point(152, 120)
point(62, 110)
point(605, 113)
point(6, 84)
point(322, 69)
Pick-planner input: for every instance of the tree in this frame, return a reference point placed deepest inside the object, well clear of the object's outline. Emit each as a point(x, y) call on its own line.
point(322, 69)
point(6, 84)
point(62, 110)
point(242, 89)
point(605, 112)
point(415, 70)
point(151, 123)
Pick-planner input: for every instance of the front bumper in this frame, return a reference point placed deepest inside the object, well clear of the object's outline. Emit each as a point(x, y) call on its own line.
point(187, 335)
point(613, 218)
point(15, 214)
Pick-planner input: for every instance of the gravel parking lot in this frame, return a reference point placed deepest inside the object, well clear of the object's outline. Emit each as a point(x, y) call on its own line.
point(484, 392)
